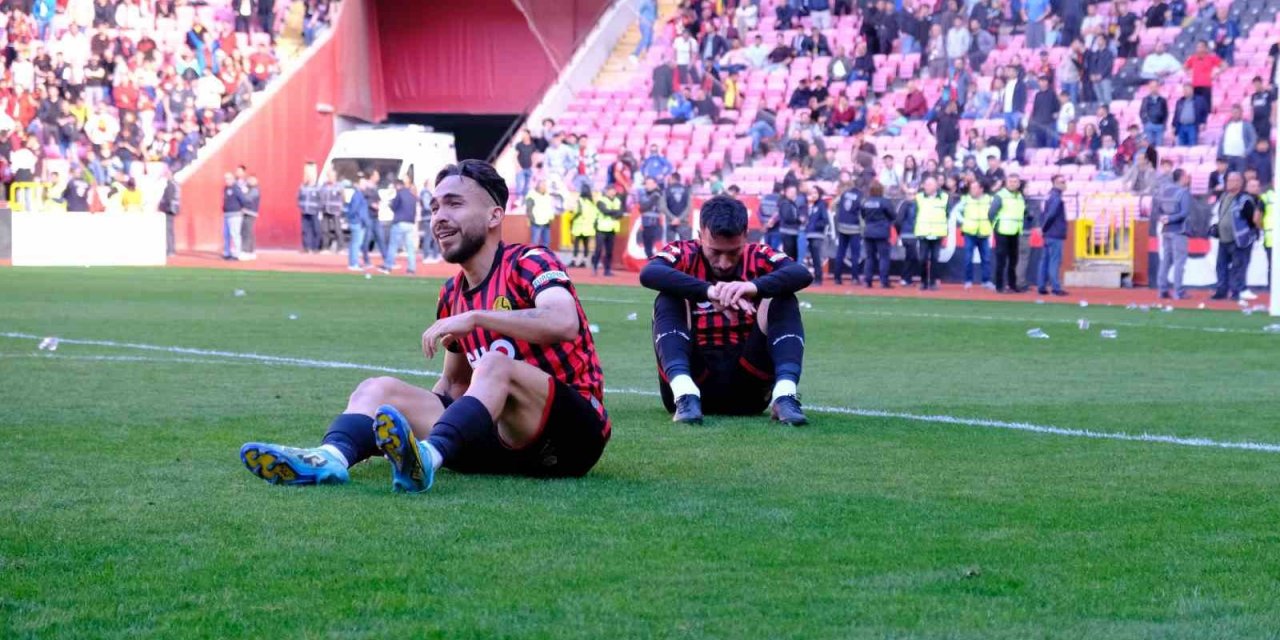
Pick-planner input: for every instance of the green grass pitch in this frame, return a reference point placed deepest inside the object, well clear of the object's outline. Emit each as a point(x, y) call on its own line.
point(125, 512)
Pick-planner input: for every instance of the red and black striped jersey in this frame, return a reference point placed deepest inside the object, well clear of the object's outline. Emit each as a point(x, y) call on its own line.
point(519, 273)
point(713, 328)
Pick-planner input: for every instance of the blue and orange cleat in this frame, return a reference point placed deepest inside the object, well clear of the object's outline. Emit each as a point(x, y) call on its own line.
point(409, 472)
point(290, 465)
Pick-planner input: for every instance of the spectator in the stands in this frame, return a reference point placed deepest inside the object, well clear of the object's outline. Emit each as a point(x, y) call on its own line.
point(864, 66)
point(1225, 31)
point(1098, 67)
point(1238, 139)
point(656, 165)
point(1159, 64)
point(811, 43)
point(978, 105)
point(786, 15)
point(1154, 114)
point(1190, 114)
point(1263, 102)
point(1015, 150)
point(1262, 161)
point(525, 152)
point(713, 45)
point(1071, 145)
point(663, 84)
point(958, 40)
point(1204, 68)
point(1071, 71)
point(945, 127)
point(915, 105)
point(800, 96)
point(1218, 179)
point(1044, 116)
point(1126, 30)
point(647, 14)
point(746, 17)
point(1108, 125)
point(680, 109)
point(782, 54)
point(936, 52)
point(757, 55)
point(1066, 112)
point(686, 49)
point(982, 42)
point(1157, 14)
point(841, 66)
point(1034, 13)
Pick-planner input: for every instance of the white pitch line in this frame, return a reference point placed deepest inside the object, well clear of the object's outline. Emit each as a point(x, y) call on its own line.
point(980, 318)
point(253, 358)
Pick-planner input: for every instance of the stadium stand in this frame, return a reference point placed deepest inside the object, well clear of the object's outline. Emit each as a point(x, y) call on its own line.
point(123, 91)
point(618, 114)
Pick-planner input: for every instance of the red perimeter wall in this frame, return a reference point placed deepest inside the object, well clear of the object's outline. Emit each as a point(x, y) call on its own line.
point(385, 56)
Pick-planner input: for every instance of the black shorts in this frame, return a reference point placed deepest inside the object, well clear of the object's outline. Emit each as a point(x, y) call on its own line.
point(734, 381)
point(571, 440)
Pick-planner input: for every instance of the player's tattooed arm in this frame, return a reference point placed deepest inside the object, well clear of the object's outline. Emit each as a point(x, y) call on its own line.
point(455, 378)
point(553, 318)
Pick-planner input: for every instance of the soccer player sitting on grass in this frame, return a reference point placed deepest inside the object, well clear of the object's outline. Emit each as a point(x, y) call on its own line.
point(738, 301)
point(521, 391)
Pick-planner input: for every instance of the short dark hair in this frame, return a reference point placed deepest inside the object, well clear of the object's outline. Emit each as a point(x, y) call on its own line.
point(1177, 175)
point(724, 216)
point(483, 174)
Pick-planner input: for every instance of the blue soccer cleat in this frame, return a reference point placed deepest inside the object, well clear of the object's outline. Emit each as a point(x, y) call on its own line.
point(290, 465)
point(409, 472)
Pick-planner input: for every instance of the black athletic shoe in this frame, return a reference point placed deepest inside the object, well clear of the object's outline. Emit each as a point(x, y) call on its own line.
point(688, 410)
point(786, 410)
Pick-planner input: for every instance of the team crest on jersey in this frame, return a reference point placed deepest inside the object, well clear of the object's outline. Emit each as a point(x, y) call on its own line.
point(502, 303)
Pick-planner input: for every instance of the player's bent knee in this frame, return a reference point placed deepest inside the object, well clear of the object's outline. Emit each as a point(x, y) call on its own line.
point(379, 389)
point(493, 367)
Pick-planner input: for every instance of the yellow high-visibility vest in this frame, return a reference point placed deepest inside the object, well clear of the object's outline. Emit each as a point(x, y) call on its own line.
point(1013, 210)
point(544, 208)
point(584, 223)
point(604, 223)
point(975, 212)
point(1269, 221)
point(931, 216)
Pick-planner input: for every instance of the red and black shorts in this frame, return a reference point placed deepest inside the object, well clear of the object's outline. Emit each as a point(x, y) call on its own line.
point(571, 441)
point(734, 381)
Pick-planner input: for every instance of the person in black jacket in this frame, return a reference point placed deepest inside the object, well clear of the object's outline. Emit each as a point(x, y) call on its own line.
point(877, 218)
point(650, 215)
point(1044, 116)
point(945, 127)
point(905, 223)
point(1154, 114)
point(815, 230)
point(790, 220)
point(232, 217)
point(726, 314)
point(848, 232)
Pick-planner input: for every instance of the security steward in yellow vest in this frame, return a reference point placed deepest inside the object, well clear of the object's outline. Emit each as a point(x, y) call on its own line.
point(1270, 221)
point(540, 206)
point(976, 211)
point(582, 225)
point(1011, 213)
point(930, 229)
point(608, 223)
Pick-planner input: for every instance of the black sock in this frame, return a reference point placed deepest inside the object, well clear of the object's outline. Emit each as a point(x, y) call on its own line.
point(786, 337)
point(671, 335)
point(464, 422)
point(352, 434)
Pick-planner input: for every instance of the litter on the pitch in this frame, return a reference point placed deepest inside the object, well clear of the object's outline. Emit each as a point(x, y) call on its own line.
point(1248, 311)
point(239, 293)
point(805, 305)
point(48, 344)
point(1084, 303)
point(1271, 328)
point(1083, 323)
point(1168, 308)
point(1037, 334)
point(1108, 334)
point(368, 276)
point(632, 316)
point(1200, 306)
point(1131, 306)
point(1039, 300)
point(595, 328)
point(293, 316)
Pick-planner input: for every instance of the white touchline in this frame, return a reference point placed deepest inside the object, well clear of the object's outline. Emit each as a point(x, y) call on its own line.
point(254, 358)
point(979, 318)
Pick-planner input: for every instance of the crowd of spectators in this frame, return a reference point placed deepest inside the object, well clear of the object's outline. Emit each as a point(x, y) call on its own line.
point(113, 92)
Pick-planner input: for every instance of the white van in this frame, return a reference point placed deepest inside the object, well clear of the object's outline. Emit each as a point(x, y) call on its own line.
point(395, 152)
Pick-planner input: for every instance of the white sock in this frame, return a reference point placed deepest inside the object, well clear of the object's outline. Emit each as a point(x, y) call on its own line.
point(783, 388)
point(436, 458)
point(337, 454)
point(683, 385)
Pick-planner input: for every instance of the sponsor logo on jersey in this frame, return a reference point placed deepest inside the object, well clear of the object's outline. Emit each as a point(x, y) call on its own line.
point(550, 276)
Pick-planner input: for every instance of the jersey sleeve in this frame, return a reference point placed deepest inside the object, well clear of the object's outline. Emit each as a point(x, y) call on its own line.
point(765, 260)
point(537, 270)
point(444, 306)
point(677, 255)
